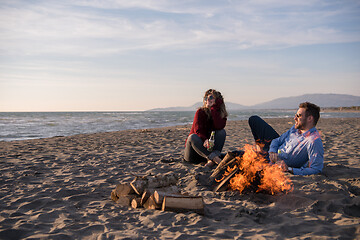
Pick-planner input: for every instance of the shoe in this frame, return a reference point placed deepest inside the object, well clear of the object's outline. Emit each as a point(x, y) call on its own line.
point(209, 164)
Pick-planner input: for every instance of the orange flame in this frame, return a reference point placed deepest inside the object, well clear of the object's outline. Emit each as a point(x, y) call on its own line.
point(272, 178)
point(274, 181)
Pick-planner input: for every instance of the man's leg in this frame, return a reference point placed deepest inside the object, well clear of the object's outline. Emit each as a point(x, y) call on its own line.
point(263, 133)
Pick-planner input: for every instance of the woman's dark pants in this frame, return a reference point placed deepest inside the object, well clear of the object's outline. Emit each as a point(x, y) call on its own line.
point(195, 151)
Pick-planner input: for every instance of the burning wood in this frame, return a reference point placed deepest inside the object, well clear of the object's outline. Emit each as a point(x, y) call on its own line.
point(228, 160)
point(252, 172)
point(156, 192)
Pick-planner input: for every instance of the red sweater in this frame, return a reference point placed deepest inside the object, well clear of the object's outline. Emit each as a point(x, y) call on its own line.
point(203, 126)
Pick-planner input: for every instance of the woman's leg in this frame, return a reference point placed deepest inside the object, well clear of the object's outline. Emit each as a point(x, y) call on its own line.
point(220, 136)
point(195, 151)
point(263, 133)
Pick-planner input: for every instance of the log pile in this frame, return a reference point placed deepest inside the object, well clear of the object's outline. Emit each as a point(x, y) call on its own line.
point(156, 192)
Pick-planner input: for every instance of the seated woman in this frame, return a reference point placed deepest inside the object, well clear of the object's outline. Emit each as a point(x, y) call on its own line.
point(210, 117)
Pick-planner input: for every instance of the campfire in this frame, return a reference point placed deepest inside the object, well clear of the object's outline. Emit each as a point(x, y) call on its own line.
point(246, 172)
point(250, 172)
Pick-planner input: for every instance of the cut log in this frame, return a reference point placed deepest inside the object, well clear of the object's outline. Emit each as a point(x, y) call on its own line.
point(159, 196)
point(151, 204)
point(183, 204)
point(139, 184)
point(226, 179)
point(113, 196)
point(170, 189)
point(125, 201)
point(162, 180)
point(145, 196)
point(123, 189)
point(135, 203)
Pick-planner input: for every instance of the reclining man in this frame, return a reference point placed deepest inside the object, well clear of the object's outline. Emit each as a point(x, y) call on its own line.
point(300, 147)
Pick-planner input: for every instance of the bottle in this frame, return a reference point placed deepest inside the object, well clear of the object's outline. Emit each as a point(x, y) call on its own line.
point(211, 141)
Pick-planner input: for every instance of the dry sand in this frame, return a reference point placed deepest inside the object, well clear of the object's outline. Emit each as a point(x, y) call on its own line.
point(59, 188)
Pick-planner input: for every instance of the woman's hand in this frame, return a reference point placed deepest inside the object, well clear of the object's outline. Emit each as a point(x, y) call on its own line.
point(206, 143)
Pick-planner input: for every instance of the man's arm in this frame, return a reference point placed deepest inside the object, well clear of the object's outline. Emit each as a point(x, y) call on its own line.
point(277, 142)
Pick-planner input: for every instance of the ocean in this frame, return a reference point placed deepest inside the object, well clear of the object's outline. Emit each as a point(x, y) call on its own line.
point(33, 125)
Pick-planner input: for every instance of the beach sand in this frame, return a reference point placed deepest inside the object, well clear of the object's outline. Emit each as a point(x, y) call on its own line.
point(59, 188)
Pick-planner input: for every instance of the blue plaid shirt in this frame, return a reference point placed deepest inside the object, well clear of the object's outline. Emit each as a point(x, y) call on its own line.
point(303, 152)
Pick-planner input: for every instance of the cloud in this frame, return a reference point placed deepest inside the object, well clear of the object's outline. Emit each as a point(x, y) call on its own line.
point(92, 28)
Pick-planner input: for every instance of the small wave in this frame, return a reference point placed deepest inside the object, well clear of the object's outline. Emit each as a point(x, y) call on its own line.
point(39, 125)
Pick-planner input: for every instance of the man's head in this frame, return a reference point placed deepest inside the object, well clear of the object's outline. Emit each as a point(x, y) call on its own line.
point(307, 116)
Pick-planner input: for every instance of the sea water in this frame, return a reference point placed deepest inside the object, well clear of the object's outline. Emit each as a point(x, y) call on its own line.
point(34, 125)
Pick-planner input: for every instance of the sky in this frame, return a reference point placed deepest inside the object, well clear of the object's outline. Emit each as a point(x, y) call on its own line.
point(121, 55)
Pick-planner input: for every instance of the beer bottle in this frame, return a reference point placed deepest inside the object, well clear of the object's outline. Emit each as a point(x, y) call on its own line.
point(211, 141)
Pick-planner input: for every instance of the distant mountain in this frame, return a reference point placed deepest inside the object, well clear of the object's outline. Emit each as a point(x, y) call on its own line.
point(189, 108)
point(229, 106)
point(322, 100)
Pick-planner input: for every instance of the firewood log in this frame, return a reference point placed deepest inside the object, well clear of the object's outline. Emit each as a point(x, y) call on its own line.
point(125, 201)
point(113, 196)
point(135, 203)
point(140, 184)
point(151, 204)
point(147, 193)
point(162, 180)
point(226, 179)
point(159, 195)
point(228, 157)
point(123, 189)
point(183, 204)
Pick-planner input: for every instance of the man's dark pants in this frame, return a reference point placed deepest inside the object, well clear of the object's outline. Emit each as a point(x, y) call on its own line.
point(263, 133)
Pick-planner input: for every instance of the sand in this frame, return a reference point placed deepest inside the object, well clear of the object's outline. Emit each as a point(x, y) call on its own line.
point(59, 188)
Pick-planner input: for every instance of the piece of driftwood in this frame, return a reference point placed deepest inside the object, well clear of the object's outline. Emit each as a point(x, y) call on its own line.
point(151, 204)
point(136, 203)
point(123, 189)
point(183, 204)
point(226, 179)
point(126, 200)
point(139, 184)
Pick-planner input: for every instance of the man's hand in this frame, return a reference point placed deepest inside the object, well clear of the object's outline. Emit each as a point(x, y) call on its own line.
point(282, 165)
point(274, 157)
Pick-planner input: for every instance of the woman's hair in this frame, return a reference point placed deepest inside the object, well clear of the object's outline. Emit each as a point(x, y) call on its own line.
point(217, 95)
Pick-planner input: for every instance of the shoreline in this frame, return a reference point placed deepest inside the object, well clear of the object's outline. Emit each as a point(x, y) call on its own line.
point(164, 127)
point(60, 187)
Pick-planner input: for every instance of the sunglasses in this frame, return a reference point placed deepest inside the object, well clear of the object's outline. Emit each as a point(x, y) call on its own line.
point(211, 97)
